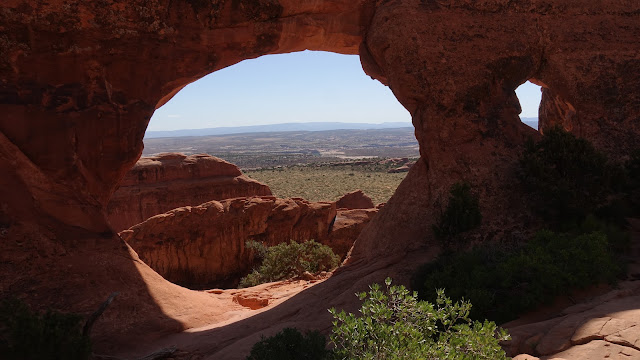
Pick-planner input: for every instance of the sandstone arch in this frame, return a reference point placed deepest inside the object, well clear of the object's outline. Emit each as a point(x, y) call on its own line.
point(79, 81)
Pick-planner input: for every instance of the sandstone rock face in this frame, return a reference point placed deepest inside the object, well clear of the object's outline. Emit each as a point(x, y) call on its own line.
point(158, 184)
point(78, 108)
point(457, 77)
point(606, 327)
point(204, 246)
point(79, 81)
point(355, 200)
point(347, 227)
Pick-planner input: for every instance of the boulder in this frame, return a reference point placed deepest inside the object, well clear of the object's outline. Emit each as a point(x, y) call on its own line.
point(355, 200)
point(347, 226)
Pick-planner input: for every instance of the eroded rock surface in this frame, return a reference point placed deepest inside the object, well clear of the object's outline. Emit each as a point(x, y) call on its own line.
point(605, 327)
point(167, 181)
point(347, 227)
point(599, 327)
point(204, 246)
point(79, 81)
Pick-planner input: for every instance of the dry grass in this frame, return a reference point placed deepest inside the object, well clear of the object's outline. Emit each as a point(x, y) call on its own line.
point(329, 183)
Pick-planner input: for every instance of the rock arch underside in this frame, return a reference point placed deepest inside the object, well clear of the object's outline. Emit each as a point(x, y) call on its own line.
point(79, 81)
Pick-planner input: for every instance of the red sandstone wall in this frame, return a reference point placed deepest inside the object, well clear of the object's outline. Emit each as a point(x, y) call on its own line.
point(168, 181)
point(204, 246)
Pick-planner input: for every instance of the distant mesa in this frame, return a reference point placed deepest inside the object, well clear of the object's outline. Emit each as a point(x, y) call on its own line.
point(167, 181)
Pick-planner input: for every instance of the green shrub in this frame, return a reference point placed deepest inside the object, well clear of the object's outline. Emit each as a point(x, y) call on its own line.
point(619, 239)
point(625, 202)
point(462, 214)
point(505, 282)
point(290, 260)
point(566, 177)
point(291, 344)
point(393, 324)
point(27, 335)
point(258, 248)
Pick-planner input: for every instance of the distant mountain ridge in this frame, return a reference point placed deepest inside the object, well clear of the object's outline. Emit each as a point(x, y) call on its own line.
point(315, 126)
point(533, 122)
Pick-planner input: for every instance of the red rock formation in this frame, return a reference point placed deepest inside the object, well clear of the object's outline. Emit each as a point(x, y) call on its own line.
point(204, 246)
point(461, 95)
point(355, 200)
point(347, 227)
point(602, 327)
point(80, 80)
point(160, 183)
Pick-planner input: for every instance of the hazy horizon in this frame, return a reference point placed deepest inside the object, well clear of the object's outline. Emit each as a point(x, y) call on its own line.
point(302, 87)
point(289, 127)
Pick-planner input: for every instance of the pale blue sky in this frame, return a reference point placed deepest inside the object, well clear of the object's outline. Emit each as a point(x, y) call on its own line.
point(299, 87)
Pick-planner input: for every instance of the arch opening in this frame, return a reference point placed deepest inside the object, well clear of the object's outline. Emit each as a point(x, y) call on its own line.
point(309, 125)
point(530, 97)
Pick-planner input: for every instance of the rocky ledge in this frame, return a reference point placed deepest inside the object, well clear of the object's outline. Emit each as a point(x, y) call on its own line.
point(204, 246)
point(167, 181)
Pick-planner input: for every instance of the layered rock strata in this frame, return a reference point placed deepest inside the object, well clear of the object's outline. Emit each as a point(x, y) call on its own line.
point(204, 246)
point(167, 181)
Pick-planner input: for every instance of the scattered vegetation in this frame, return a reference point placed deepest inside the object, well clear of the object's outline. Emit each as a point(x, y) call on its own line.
point(290, 260)
point(461, 215)
point(291, 344)
point(507, 280)
point(330, 182)
point(28, 335)
point(393, 324)
point(287, 148)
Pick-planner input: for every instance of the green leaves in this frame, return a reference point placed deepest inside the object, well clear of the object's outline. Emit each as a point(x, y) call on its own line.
point(462, 214)
point(566, 177)
point(504, 282)
point(291, 344)
point(289, 260)
point(393, 324)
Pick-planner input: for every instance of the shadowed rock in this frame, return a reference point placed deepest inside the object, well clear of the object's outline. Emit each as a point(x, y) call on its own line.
point(204, 246)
